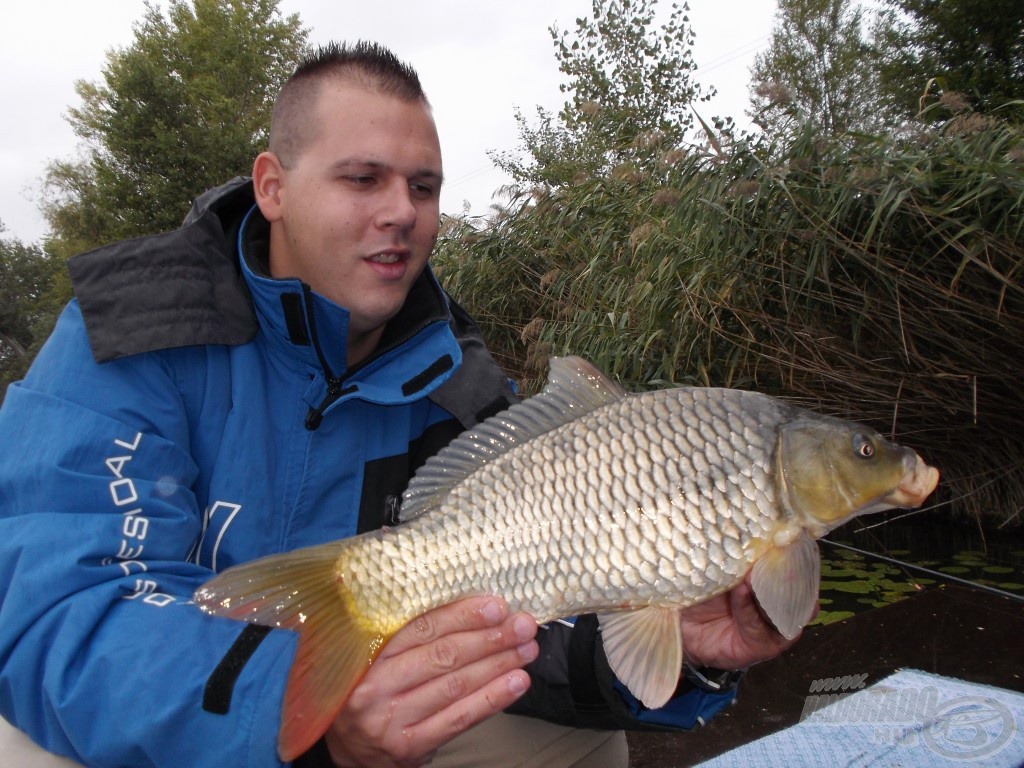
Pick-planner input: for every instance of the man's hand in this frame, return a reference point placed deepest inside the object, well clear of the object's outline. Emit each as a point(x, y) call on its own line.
point(730, 632)
point(438, 676)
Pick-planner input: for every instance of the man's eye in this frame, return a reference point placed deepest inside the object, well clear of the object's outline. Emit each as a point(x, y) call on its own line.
point(422, 191)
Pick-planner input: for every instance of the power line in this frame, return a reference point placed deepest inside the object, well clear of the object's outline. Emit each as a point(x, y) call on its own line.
point(930, 572)
point(736, 53)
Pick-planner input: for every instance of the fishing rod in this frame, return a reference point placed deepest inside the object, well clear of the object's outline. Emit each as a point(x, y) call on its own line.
point(929, 571)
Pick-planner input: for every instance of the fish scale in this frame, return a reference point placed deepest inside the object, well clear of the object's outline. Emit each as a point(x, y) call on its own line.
point(583, 499)
point(577, 495)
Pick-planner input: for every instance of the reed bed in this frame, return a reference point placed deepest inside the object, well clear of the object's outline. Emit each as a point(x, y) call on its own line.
point(873, 277)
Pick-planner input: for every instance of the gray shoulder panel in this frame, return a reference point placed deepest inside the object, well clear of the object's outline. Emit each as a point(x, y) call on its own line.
point(479, 388)
point(176, 289)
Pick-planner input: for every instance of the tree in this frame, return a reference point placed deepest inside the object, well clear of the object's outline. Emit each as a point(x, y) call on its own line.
point(185, 107)
point(971, 47)
point(817, 70)
point(27, 276)
point(630, 87)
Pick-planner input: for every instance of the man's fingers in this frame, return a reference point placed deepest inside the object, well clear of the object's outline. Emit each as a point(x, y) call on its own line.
point(414, 743)
point(746, 610)
point(462, 615)
point(456, 651)
point(456, 666)
point(472, 682)
point(452, 657)
point(464, 713)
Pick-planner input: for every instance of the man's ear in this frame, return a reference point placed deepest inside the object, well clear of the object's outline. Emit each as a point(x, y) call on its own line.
point(267, 177)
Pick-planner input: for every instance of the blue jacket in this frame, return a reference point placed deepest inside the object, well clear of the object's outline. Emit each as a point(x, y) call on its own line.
point(189, 413)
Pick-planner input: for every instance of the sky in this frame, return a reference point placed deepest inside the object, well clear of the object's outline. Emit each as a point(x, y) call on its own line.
point(478, 60)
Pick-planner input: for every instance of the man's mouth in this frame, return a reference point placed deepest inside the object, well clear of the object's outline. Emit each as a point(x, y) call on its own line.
point(391, 264)
point(387, 258)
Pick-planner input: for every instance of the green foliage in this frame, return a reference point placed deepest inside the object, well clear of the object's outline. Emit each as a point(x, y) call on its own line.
point(184, 108)
point(629, 86)
point(825, 66)
point(29, 278)
point(875, 277)
point(974, 48)
point(817, 69)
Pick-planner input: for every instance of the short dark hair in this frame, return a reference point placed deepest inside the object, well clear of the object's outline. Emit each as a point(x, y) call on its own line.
point(367, 64)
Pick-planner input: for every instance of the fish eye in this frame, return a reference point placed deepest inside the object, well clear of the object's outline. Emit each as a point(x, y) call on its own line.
point(863, 446)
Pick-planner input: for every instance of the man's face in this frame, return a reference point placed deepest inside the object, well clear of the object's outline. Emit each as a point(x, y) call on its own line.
point(355, 216)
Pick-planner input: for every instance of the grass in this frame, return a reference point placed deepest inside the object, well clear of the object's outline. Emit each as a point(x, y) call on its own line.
point(872, 277)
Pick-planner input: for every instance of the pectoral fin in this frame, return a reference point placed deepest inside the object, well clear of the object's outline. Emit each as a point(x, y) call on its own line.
point(785, 581)
point(645, 651)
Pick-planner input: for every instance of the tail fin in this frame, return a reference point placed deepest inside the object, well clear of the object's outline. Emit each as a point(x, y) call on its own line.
point(303, 591)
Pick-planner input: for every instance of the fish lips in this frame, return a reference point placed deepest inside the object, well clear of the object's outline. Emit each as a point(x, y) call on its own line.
point(915, 486)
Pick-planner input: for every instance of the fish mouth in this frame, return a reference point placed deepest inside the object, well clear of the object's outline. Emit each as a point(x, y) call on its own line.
point(916, 485)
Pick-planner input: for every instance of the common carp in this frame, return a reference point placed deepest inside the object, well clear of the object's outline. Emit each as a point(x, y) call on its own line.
point(583, 499)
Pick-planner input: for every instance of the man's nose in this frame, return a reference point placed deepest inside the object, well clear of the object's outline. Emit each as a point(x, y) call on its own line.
point(397, 208)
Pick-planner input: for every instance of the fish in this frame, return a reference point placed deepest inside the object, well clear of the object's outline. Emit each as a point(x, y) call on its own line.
point(582, 499)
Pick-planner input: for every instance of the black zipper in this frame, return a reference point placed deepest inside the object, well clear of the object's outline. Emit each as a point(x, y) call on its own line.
point(335, 391)
point(335, 385)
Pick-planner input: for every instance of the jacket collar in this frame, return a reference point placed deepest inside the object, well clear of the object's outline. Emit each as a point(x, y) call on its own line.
point(131, 294)
point(416, 354)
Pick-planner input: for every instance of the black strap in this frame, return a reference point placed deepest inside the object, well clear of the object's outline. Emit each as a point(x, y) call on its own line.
point(442, 365)
point(295, 318)
point(583, 678)
point(319, 756)
point(221, 683)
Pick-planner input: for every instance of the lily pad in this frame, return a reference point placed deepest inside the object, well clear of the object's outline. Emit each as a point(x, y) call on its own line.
point(853, 587)
point(844, 573)
point(998, 569)
point(850, 556)
point(827, 617)
point(898, 586)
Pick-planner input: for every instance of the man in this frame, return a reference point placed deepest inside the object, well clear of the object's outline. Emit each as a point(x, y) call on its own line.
point(265, 378)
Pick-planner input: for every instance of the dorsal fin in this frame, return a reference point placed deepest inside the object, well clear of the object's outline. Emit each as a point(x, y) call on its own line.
point(574, 388)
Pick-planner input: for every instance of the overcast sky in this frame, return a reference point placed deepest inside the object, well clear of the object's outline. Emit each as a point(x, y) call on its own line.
point(478, 60)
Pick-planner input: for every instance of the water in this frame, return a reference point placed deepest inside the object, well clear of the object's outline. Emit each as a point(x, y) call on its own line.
point(852, 582)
